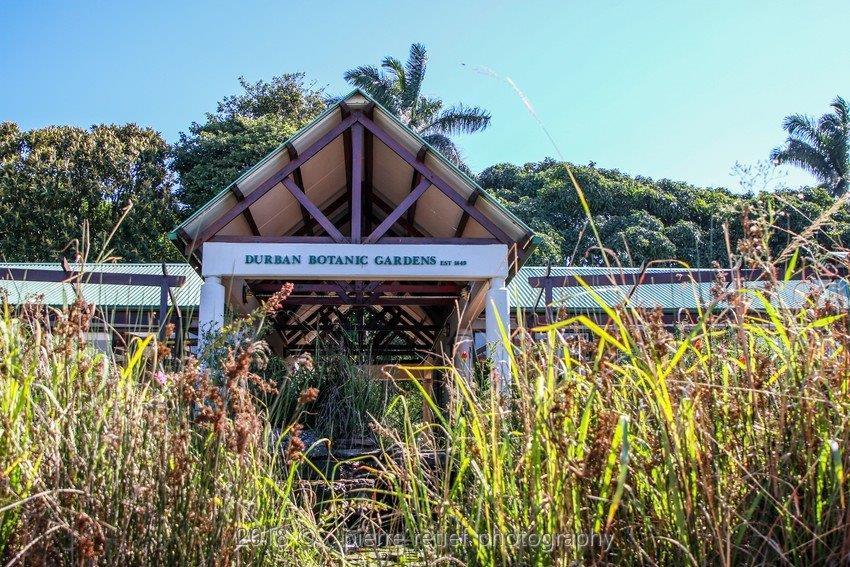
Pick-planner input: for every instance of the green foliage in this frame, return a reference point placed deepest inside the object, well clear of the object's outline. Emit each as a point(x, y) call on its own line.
point(347, 395)
point(721, 442)
point(641, 219)
point(398, 88)
point(671, 448)
point(54, 179)
point(104, 463)
point(243, 130)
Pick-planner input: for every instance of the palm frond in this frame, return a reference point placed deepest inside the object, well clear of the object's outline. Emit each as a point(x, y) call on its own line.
point(807, 157)
point(427, 110)
point(445, 146)
point(841, 110)
point(395, 67)
point(459, 119)
point(381, 87)
point(801, 127)
point(417, 62)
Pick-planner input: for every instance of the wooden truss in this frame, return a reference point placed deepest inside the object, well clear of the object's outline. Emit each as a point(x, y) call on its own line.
point(385, 320)
point(363, 199)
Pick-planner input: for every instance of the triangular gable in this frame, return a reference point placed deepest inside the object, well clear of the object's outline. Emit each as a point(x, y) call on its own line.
point(305, 190)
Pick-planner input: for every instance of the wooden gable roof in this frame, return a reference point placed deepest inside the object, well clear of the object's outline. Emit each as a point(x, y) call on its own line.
point(355, 174)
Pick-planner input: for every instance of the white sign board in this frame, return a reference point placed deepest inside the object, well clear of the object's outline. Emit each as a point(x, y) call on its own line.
point(356, 261)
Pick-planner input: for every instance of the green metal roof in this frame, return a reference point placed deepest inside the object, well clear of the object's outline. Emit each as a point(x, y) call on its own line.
point(670, 297)
point(106, 295)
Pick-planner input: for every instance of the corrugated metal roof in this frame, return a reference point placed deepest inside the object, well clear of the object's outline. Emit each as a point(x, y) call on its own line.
point(672, 297)
point(110, 295)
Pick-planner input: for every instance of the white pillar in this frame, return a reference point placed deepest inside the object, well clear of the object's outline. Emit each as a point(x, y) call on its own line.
point(211, 308)
point(498, 311)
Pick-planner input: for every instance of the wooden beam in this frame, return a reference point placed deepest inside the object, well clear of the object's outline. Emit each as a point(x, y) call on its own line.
point(272, 239)
point(432, 240)
point(391, 322)
point(368, 167)
point(435, 179)
point(314, 210)
point(399, 210)
point(307, 229)
point(417, 177)
point(296, 175)
point(407, 318)
point(333, 326)
point(356, 182)
point(249, 217)
point(403, 222)
point(381, 301)
point(274, 179)
point(464, 217)
point(118, 278)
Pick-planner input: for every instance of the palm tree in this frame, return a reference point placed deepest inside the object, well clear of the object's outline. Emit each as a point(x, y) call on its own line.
point(821, 147)
point(398, 88)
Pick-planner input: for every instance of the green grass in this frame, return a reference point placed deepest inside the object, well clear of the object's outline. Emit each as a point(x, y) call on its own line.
point(721, 443)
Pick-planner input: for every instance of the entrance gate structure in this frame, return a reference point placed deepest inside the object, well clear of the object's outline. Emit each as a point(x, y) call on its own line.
point(389, 245)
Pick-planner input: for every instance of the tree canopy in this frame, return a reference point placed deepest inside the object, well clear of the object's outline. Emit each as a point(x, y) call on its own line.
point(243, 129)
point(53, 179)
point(641, 219)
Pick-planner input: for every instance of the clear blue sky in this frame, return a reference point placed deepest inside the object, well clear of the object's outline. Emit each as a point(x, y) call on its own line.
point(664, 89)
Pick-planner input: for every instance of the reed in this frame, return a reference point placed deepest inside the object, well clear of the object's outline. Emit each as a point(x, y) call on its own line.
point(621, 441)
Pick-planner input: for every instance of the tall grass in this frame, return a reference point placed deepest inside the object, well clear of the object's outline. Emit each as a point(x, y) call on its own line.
point(123, 465)
point(722, 443)
point(622, 441)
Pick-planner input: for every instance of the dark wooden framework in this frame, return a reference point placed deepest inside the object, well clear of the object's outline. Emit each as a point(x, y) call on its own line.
point(389, 321)
point(377, 322)
point(359, 132)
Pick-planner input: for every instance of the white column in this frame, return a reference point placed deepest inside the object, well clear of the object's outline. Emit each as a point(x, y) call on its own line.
point(211, 308)
point(498, 311)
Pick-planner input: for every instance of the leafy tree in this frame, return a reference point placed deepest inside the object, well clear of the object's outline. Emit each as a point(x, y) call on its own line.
point(243, 130)
point(398, 88)
point(53, 179)
point(820, 147)
point(641, 219)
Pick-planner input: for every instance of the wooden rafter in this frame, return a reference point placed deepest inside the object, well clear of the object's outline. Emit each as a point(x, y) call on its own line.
point(383, 300)
point(435, 179)
point(399, 210)
point(464, 217)
point(356, 182)
point(411, 229)
point(249, 217)
point(368, 166)
point(328, 211)
point(296, 175)
point(274, 179)
point(314, 211)
point(417, 178)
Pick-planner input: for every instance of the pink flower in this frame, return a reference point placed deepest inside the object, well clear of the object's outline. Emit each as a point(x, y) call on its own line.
point(160, 377)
